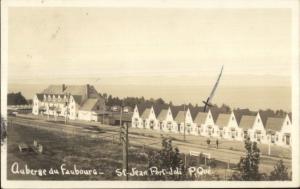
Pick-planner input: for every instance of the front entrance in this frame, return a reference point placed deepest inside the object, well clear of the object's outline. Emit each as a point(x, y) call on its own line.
point(210, 130)
point(258, 135)
point(151, 124)
point(169, 126)
point(287, 139)
point(233, 133)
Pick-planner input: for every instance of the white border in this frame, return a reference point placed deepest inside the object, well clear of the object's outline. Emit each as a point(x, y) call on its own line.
point(291, 4)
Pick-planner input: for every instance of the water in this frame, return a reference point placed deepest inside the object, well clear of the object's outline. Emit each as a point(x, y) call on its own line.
point(252, 97)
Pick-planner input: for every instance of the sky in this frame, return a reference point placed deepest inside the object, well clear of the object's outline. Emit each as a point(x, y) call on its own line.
point(150, 46)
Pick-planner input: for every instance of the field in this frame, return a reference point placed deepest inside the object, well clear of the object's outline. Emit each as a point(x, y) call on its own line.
point(86, 153)
point(89, 149)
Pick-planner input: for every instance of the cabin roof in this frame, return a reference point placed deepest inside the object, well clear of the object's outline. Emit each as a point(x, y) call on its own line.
point(200, 117)
point(180, 117)
point(162, 115)
point(146, 113)
point(274, 123)
point(89, 104)
point(223, 120)
point(247, 121)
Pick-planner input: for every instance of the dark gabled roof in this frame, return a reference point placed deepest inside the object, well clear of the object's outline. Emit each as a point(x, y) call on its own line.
point(53, 89)
point(223, 120)
point(142, 107)
point(81, 90)
point(264, 116)
point(215, 113)
point(290, 116)
point(146, 113)
point(162, 115)
point(180, 117)
point(238, 113)
point(40, 96)
point(89, 104)
point(157, 108)
point(200, 118)
point(78, 99)
point(194, 111)
point(274, 123)
point(247, 121)
point(176, 109)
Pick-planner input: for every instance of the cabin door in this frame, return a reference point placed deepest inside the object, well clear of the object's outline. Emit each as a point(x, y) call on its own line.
point(151, 124)
point(287, 139)
point(209, 130)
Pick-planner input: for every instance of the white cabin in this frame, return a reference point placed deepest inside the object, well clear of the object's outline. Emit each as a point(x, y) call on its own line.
point(279, 131)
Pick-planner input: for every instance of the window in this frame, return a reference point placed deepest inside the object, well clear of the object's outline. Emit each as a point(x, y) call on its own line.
point(209, 116)
point(232, 118)
point(287, 122)
point(258, 120)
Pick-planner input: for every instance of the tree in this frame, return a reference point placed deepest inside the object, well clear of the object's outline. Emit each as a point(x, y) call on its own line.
point(3, 129)
point(248, 165)
point(16, 99)
point(280, 172)
point(167, 158)
point(159, 101)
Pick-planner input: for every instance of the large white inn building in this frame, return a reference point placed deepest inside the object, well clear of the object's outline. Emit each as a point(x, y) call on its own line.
point(74, 101)
point(236, 125)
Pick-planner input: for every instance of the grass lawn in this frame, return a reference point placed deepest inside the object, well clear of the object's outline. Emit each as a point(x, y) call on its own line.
point(85, 152)
point(59, 148)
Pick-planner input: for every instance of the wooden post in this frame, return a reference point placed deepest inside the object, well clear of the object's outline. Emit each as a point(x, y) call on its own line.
point(269, 149)
point(125, 150)
point(121, 125)
point(184, 122)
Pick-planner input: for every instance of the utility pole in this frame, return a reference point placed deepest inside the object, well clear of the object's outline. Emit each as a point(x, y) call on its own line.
point(121, 126)
point(269, 150)
point(124, 139)
point(125, 150)
point(104, 110)
point(184, 122)
point(67, 107)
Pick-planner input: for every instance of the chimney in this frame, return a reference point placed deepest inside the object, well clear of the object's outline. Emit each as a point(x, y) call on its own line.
point(87, 90)
point(63, 87)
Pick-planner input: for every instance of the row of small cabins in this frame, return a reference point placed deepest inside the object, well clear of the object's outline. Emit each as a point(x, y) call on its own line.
point(237, 125)
point(84, 103)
